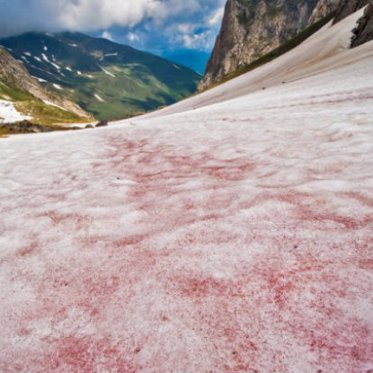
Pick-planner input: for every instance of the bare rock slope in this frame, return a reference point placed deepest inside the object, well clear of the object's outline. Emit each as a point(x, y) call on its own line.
point(252, 29)
point(364, 31)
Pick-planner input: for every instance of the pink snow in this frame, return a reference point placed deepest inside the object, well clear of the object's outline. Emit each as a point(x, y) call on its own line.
point(237, 237)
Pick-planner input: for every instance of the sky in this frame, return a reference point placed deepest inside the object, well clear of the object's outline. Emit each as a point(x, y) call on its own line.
point(154, 25)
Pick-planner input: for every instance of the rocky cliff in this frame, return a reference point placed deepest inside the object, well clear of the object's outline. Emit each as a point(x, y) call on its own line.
point(347, 7)
point(364, 31)
point(252, 28)
point(322, 9)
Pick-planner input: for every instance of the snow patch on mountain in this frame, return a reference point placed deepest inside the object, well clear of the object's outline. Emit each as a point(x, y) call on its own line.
point(57, 86)
point(107, 72)
point(99, 98)
point(9, 113)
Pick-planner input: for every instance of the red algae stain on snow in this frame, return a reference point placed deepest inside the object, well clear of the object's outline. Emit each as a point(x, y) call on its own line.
point(198, 288)
point(28, 250)
point(88, 354)
point(228, 172)
point(309, 210)
point(366, 264)
point(58, 218)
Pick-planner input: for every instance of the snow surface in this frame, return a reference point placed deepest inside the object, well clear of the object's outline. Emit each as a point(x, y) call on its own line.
point(236, 237)
point(9, 114)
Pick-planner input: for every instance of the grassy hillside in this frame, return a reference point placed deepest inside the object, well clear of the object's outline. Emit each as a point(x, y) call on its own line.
point(40, 112)
point(108, 80)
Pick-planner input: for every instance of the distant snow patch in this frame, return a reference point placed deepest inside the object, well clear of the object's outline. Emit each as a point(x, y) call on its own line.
point(69, 68)
point(46, 59)
point(45, 48)
point(28, 54)
point(53, 104)
point(39, 79)
point(108, 72)
point(55, 65)
point(57, 86)
point(37, 59)
point(111, 54)
point(99, 98)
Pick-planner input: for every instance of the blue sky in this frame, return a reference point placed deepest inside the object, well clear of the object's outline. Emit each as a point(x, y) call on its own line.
point(153, 25)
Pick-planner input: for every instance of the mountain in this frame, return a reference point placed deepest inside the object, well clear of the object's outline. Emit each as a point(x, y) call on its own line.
point(297, 62)
point(253, 28)
point(23, 97)
point(194, 59)
point(106, 79)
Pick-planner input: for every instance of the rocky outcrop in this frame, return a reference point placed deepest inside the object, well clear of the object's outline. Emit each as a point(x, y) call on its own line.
point(323, 9)
point(348, 7)
point(252, 28)
point(14, 75)
point(364, 31)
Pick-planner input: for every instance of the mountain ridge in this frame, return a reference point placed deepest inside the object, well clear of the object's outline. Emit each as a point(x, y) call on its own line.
point(14, 75)
point(108, 80)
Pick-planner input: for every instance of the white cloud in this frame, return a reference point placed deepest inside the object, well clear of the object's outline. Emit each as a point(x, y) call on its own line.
point(216, 17)
point(192, 23)
point(87, 15)
point(131, 36)
point(107, 35)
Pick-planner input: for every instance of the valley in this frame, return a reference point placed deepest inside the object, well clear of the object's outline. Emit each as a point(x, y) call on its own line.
point(106, 80)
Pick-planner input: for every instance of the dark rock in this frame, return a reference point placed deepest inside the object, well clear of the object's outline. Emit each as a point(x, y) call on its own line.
point(89, 126)
point(348, 7)
point(364, 30)
point(25, 126)
point(102, 123)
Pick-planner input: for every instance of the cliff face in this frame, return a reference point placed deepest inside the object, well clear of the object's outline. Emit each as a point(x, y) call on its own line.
point(252, 28)
point(348, 7)
point(364, 31)
point(322, 9)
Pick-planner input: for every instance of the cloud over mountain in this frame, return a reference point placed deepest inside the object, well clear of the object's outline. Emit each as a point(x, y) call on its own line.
point(86, 15)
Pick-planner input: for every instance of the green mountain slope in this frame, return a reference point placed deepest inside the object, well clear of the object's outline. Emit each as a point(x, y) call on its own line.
point(31, 100)
point(106, 79)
